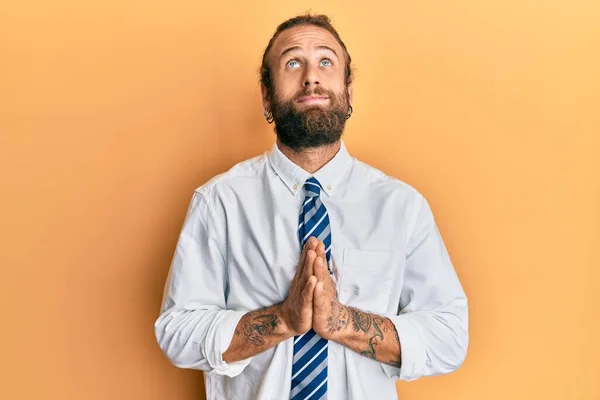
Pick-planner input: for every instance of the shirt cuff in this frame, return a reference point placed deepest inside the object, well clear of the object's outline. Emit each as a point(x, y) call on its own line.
point(413, 356)
point(218, 340)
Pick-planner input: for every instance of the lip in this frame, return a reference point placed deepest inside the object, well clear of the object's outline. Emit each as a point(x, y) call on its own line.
point(312, 99)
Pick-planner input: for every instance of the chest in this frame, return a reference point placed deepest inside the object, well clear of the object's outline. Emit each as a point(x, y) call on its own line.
point(367, 250)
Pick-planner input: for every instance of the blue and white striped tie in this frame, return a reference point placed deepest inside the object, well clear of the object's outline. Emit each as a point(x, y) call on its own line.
point(309, 368)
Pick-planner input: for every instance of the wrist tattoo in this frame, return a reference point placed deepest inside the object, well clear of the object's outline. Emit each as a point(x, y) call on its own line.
point(338, 318)
point(253, 328)
point(376, 329)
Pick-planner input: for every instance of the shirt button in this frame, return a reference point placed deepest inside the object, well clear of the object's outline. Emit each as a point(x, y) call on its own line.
point(295, 187)
point(328, 187)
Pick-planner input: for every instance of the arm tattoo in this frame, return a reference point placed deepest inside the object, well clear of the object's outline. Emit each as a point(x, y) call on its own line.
point(375, 339)
point(255, 327)
point(360, 321)
point(376, 329)
point(338, 318)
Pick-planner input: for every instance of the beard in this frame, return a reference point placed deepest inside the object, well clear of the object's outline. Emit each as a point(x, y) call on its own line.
point(314, 126)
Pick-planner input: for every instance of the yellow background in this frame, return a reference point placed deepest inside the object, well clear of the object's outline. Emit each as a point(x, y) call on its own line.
point(112, 112)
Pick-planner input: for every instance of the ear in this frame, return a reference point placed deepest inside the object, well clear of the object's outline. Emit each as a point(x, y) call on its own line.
point(350, 93)
point(266, 100)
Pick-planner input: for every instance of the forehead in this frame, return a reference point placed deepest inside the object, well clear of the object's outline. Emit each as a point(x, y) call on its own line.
point(306, 37)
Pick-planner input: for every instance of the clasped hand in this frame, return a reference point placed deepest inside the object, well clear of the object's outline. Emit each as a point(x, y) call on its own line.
point(312, 301)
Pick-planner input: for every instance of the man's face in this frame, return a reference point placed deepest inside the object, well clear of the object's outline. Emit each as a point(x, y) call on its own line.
point(310, 99)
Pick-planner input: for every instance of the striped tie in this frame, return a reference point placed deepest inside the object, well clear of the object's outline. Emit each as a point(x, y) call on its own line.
point(309, 368)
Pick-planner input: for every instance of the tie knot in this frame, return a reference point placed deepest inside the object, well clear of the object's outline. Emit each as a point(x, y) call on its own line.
point(312, 187)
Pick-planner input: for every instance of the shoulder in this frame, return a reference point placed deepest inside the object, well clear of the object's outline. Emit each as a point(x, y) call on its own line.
point(250, 169)
point(379, 181)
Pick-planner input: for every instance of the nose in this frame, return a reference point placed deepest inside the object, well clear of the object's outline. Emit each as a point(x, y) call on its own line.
point(311, 76)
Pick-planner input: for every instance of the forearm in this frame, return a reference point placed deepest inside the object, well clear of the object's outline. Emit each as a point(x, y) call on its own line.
point(368, 334)
point(256, 332)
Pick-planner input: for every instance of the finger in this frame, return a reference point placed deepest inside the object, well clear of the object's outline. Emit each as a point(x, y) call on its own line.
point(305, 250)
point(311, 255)
point(303, 256)
point(319, 268)
point(299, 269)
point(312, 242)
point(320, 249)
point(307, 293)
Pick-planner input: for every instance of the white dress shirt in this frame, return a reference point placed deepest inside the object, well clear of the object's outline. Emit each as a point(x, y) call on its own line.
point(239, 249)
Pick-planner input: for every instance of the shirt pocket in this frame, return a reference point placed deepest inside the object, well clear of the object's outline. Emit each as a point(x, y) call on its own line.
point(367, 277)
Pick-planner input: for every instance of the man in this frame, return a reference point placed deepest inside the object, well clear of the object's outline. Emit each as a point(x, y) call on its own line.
point(304, 273)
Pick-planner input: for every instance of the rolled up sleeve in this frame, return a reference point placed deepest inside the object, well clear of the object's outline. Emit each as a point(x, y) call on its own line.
point(432, 323)
point(194, 328)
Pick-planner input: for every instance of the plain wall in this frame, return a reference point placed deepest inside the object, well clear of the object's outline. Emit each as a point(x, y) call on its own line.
point(112, 113)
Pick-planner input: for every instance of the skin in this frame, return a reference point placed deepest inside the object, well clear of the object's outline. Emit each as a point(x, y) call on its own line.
point(305, 57)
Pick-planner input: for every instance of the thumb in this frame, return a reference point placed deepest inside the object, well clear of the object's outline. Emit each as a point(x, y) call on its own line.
point(319, 295)
point(308, 292)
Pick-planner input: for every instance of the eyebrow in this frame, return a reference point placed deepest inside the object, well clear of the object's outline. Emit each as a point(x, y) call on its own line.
point(293, 48)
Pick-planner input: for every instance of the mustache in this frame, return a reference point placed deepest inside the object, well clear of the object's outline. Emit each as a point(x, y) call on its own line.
point(318, 91)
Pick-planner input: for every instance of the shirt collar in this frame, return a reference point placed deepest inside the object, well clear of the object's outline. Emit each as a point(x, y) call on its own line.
point(294, 177)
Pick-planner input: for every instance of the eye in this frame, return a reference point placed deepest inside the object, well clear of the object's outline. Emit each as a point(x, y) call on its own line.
point(292, 64)
point(326, 63)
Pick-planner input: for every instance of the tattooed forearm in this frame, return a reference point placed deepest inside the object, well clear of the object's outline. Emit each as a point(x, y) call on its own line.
point(256, 332)
point(360, 321)
point(375, 339)
point(338, 318)
point(380, 339)
point(253, 328)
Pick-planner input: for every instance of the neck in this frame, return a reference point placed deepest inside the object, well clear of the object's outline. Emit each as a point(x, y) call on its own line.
point(312, 159)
